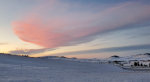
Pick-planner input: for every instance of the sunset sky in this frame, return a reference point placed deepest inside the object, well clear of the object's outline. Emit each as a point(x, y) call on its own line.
point(75, 28)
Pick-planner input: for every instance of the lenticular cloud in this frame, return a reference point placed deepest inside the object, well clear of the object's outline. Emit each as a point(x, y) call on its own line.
point(62, 24)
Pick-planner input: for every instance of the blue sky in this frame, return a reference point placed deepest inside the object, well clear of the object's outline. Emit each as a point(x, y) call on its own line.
point(75, 28)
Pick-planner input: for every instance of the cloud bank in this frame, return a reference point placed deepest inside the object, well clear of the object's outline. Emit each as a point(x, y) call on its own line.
point(29, 51)
point(57, 24)
point(111, 49)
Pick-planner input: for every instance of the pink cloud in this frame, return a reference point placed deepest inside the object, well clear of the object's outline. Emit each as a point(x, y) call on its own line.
point(57, 26)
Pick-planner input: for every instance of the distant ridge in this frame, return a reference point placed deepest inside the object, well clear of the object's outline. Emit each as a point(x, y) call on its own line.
point(7, 54)
point(145, 56)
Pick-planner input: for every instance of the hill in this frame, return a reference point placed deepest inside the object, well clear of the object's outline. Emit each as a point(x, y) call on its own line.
point(25, 69)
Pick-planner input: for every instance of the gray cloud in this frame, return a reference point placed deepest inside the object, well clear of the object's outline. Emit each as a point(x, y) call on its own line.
point(30, 51)
point(112, 49)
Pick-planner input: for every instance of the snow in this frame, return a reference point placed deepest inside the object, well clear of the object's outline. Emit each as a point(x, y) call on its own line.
point(23, 69)
point(145, 56)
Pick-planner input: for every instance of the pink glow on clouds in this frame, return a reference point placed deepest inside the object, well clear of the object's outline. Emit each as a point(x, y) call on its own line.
point(56, 26)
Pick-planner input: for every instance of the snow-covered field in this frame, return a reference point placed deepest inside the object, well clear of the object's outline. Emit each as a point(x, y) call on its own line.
point(22, 69)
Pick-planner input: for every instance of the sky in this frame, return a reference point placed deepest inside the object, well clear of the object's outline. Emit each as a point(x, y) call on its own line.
point(75, 28)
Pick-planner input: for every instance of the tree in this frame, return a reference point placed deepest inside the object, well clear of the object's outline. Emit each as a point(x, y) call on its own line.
point(138, 64)
point(135, 64)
